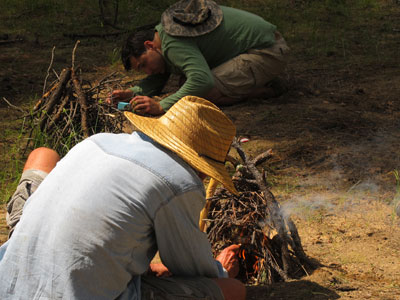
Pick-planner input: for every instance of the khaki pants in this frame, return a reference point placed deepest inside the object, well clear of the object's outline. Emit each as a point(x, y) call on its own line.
point(239, 76)
point(29, 182)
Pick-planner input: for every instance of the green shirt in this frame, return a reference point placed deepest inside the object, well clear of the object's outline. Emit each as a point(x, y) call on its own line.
point(194, 57)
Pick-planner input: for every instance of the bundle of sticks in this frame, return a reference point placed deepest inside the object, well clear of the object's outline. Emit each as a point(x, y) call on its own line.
point(271, 249)
point(71, 110)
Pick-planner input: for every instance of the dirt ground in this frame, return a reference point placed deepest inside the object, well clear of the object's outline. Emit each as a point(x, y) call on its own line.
point(335, 136)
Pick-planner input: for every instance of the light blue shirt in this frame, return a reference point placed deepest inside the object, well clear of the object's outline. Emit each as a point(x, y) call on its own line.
point(96, 221)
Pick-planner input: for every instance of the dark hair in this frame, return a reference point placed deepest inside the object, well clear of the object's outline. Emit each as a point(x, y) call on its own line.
point(134, 46)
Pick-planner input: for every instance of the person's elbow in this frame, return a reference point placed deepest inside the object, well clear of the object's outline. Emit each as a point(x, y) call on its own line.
point(202, 85)
point(208, 85)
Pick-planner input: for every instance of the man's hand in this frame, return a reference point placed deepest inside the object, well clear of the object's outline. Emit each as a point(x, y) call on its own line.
point(159, 270)
point(146, 105)
point(229, 260)
point(119, 95)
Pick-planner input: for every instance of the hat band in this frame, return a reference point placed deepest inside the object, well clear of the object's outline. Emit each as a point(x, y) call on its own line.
point(183, 23)
point(213, 159)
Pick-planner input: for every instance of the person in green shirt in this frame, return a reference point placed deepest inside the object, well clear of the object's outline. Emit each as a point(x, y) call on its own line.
point(225, 54)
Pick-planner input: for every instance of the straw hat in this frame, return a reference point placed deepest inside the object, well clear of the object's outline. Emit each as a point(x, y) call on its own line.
point(197, 131)
point(190, 18)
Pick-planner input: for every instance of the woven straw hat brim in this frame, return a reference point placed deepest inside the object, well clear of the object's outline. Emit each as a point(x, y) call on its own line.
point(175, 29)
point(167, 134)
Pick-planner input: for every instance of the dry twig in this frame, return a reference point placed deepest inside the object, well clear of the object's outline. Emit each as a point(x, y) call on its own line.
point(48, 70)
point(270, 245)
point(13, 106)
point(71, 111)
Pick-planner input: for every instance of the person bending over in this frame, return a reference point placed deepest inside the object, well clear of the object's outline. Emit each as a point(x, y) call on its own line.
point(94, 220)
point(225, 54)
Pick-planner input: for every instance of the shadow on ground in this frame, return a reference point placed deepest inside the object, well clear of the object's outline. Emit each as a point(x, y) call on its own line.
point(296, 290)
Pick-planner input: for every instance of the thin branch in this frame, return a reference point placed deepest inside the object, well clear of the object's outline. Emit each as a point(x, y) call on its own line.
point(55, 73)
point(48, 70)
point(13, 106)
point(82, 101)
point(73, 54)
point(56, 95)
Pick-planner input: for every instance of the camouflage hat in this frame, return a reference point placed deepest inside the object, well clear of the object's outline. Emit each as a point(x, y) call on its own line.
point(190, 18)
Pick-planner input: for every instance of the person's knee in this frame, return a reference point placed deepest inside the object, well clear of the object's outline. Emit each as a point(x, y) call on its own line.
point(219, 99)
point(44, 159)
point(44, 153)
point(231, 288)
point(213, 95)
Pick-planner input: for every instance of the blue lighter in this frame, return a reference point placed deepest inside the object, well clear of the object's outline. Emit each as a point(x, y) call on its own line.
point(124, 106)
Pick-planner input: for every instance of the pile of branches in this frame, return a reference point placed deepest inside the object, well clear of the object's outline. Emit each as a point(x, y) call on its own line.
point(271, 249)
point(72, 110)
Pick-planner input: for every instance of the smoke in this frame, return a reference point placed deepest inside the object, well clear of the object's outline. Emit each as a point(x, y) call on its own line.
point(330, 199)
point(354, 173)
point(306, 207)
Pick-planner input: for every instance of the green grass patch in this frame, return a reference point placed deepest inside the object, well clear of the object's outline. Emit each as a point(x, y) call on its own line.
point(326, 28)
point(11, 160)
point(55, 17)
point(314, 29)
